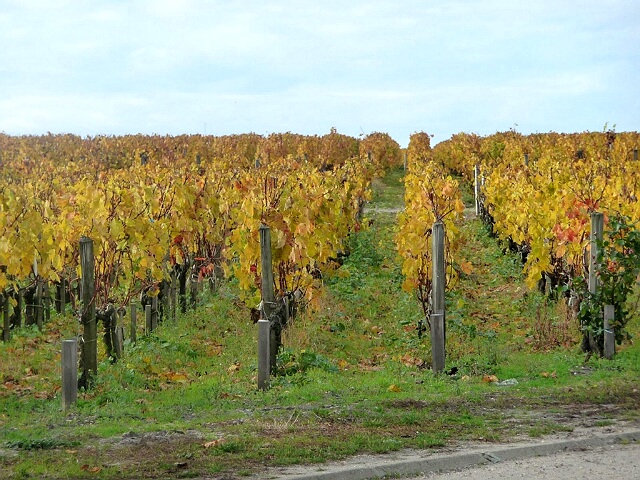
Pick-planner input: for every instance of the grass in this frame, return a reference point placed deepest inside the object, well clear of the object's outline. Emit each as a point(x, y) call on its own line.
point(183, 402)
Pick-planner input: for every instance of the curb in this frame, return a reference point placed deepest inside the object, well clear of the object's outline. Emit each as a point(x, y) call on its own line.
point(442, 463)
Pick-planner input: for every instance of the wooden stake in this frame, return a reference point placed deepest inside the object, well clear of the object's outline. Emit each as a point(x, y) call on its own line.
point(6, 324)
point(69, 373)
point(90, 331)
point(134, 315)
point(264, 358)
point(268, 292)
point(609, 333)
point(438, 318)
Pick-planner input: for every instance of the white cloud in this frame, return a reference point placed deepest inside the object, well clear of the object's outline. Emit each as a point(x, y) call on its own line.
point(171, 66)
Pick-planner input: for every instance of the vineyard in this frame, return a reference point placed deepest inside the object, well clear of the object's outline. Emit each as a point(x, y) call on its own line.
point(175, 225)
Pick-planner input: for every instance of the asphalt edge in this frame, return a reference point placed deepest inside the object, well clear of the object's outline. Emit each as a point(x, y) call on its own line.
point(461, 461)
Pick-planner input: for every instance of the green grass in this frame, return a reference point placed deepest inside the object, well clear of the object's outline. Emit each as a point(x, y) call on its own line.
point(184, 401)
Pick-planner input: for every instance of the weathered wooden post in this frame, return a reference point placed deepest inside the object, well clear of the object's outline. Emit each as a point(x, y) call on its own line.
point(17, 310)
point(6, 323)
point(268, 294)
point(405, 161)
point(264, 358)
point(173, 294)
point(476, 187)
point(39, 303)
point(62, 289)
point(46, 301)
point(438, 318)
point(154, 312)
point(118, 335)
point(134, 320)
point(597, 227)
point(90, 331)
point(609, 332)
point(69, 373)
point(147, 318)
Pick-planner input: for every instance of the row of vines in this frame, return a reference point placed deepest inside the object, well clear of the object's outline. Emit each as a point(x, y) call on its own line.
point(536, 193)
point(158, 205)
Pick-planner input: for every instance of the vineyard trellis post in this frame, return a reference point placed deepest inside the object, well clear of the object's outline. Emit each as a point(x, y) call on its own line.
point(88, 317)
point(609, 332)
point(438, 321)
point(6, 325)
point(268, 294)
point(69, 373)
point(264, 339)
point(476, 188)
point(597, 228)
point(147, 318)
point(39, 307)
point(154, 312)
point(134, 320)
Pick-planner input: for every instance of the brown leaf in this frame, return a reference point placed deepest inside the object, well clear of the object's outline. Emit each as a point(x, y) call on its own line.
point(213, 443)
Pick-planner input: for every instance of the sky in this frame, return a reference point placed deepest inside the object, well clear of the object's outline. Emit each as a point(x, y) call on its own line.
point(221, 67)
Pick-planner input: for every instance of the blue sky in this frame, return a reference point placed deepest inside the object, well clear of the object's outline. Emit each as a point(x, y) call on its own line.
point(224, 67)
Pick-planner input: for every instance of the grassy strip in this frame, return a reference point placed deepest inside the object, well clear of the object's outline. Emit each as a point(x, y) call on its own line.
point(184, 402)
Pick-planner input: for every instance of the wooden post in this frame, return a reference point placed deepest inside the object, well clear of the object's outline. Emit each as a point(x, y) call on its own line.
point(597, 227)
point(17, 310)
point(268, 293)
point(154, 312)
point(609, 333)
point(405, 161)
point(438, 318)
point(88, 317)
point(165, 302)
point(6, 324)
point(69, 373)
point(134, 319)
point(147, 318)
point(264, 357)
point(173, 294)
point(118, 335)
point(438, 354)
point(476, 187)
point(63, 295)
point(46, 301)
point(39, 304)
point(526, 159)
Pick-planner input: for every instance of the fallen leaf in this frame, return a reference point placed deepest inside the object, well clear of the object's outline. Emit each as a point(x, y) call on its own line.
point(490, 378)
point(393, 388)
point(213, 443)
point(234, 368)
point(466, 268)
point(465, 378)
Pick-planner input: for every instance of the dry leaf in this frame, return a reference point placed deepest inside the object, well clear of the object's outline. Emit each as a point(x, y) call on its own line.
point(466, 268)
point(213, 443)
point(393, 388)
point(490, 379)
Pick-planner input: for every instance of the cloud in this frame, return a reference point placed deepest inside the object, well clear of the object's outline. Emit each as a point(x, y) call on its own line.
point(171, 66)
